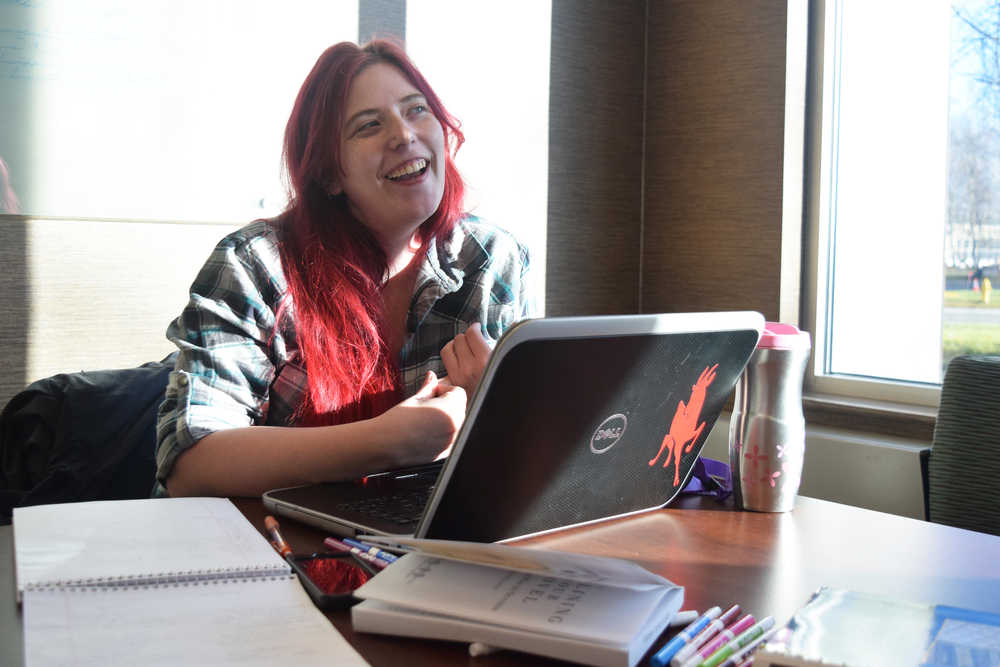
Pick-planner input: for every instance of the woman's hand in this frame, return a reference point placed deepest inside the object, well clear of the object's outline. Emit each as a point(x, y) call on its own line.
point(425, 425)
point(465, 357)
point(250, 460)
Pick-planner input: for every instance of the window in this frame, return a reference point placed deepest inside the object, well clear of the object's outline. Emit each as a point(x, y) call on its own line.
point(501, 95)
point(905, 242)
point(174, 110)
point(167, 110)
point(127, 126)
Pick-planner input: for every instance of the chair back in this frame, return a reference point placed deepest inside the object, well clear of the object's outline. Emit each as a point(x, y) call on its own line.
point(964, 465)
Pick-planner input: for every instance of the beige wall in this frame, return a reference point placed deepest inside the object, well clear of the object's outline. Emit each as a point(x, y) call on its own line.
point(675, 172)
point(596, 112)
point(88, 295)
point(715, 155)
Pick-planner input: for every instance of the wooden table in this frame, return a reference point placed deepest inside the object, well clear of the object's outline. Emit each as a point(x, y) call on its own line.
point(768, 563)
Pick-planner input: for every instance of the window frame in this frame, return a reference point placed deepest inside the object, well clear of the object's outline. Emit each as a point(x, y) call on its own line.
point(865, 403)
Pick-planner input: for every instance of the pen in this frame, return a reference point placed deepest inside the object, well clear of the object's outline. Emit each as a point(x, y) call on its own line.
point(663, 656)
point(726, 635)
point(277, 541)
point(741, 641)
point(477, 649)
point(366, 565)
point(376, 540)
point(741, 655)
point(682, 618)
point(372, 549)
point(700, 639)
point(337, 545)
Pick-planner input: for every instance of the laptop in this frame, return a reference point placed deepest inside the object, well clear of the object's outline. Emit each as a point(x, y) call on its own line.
point(575, 420)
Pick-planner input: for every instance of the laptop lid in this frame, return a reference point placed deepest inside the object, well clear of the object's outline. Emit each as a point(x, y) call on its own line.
point(576, 419)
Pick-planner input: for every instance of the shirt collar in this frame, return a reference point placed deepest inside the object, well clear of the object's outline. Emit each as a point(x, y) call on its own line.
point(446, 264)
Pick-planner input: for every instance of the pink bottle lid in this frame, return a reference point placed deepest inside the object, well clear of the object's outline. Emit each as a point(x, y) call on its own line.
point(778, 336)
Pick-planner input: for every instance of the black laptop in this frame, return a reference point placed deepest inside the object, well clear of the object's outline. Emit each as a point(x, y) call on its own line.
point(575, 420)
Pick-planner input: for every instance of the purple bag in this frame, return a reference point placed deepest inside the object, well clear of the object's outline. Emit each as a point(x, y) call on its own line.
point(709, 478)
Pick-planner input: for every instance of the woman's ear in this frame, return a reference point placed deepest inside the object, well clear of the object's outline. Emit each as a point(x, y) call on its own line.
point(334, 189)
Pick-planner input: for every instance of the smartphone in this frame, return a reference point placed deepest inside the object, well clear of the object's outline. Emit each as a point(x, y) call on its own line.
point(331, 578)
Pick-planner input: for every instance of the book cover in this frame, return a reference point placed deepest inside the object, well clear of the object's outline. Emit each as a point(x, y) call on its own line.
point(550, 562)
point(855, 629)
point(600, 611)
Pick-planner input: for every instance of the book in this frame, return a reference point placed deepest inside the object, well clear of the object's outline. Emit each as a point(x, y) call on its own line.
point(587, 609)
point(161, 581)
point(855, 629)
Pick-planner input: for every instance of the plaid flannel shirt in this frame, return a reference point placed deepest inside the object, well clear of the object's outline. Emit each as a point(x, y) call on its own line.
point(234, 368)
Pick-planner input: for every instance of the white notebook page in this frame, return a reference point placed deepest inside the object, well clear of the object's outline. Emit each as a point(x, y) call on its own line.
point(262, 622)
point(126, 538)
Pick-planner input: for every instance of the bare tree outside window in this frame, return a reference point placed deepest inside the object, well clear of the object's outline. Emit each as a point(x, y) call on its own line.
point(980, 37)
point(971, 322)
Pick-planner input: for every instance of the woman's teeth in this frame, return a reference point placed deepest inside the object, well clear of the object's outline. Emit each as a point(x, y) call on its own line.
point(407, 169)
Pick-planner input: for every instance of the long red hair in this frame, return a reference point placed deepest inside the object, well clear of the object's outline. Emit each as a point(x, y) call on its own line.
point(333, 264)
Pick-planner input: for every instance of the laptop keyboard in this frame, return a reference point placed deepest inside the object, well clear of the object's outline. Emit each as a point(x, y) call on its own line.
point(403, 507)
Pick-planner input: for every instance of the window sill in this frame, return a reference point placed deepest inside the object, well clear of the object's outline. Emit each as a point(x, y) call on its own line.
point(906, 421)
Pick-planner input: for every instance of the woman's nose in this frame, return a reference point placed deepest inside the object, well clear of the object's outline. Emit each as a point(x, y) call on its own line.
point(402, 134)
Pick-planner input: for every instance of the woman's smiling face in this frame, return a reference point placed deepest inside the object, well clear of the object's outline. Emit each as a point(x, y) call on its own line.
point(392, 155)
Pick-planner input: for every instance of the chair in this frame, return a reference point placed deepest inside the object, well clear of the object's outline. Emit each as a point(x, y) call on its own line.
point(81, 436)
point(962, 472)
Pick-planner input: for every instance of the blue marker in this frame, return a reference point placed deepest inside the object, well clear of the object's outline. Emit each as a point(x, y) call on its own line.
point(663, 656)
point(370, 548)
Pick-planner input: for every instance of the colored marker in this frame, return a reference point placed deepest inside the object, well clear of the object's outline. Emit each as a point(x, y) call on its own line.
point(745, 653)
point(277, 541)
point(725, 636)
point(682, 618)
point(670, 649)
point(702, 637)
point(477, 649)
point(337, 545)
point(740, 642)
point(372, 549)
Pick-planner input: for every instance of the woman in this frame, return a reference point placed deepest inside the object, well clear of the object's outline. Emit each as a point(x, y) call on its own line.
point(312, 345)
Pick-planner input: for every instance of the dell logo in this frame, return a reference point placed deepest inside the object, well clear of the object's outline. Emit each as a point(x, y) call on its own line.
point(608, 433)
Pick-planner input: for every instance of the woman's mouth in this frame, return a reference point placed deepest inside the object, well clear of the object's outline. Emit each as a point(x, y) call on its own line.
point(409, 170)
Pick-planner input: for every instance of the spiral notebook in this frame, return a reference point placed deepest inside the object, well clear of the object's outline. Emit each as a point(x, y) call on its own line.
point(161, 582)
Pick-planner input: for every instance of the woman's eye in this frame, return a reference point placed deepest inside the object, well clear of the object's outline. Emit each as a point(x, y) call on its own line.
point(418, 108)
point(367, 128)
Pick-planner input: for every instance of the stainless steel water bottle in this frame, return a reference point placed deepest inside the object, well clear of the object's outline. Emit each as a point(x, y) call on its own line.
point(767, 431)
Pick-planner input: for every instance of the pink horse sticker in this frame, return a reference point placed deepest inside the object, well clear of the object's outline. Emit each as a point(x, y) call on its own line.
point(684, 428)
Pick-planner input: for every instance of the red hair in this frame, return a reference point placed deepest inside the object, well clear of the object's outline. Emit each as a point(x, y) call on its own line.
point(333, 264)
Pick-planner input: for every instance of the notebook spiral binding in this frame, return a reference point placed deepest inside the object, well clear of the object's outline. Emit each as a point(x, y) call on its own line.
point(166, 579)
